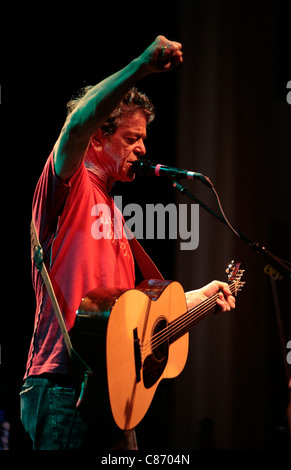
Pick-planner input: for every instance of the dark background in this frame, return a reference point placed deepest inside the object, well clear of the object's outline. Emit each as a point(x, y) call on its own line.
point(224, 113)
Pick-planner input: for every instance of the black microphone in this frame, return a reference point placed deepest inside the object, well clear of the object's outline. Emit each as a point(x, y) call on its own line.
point(148, 168)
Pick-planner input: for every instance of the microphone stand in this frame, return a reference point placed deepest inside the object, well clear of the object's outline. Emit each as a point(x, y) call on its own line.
point(282, 268)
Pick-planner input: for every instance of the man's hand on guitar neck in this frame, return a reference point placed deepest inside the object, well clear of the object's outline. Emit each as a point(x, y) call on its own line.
point(225, 301)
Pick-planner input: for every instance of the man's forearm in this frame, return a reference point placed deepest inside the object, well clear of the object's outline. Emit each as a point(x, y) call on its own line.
point(101, 100)
point(90, 113)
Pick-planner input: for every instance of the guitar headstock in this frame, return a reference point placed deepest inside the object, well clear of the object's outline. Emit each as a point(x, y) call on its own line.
point(234, 275)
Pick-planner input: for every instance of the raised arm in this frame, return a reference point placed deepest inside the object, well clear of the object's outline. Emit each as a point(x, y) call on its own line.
point(161, 56)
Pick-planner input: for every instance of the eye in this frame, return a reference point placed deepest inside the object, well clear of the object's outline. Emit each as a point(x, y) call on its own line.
point(131, 140)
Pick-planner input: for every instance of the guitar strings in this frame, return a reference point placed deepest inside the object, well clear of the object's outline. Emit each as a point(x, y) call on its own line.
point(177, 325)
point(174, 328)
point(180, 323)
point(187, 319)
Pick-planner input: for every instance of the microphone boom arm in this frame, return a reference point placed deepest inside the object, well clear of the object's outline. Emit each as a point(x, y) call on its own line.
point(257, 247)
point(147, 168)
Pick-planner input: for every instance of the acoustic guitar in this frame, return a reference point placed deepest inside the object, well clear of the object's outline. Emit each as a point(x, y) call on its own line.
point(143, 334)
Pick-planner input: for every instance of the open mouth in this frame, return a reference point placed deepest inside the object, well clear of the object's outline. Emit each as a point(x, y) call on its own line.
point(129, 171)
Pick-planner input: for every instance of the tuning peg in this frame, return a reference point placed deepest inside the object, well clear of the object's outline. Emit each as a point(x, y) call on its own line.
point(229, 267)
point(240, 274)
point(238, 286)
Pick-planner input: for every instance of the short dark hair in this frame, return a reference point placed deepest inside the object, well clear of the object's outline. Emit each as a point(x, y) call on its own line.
point(132, 102)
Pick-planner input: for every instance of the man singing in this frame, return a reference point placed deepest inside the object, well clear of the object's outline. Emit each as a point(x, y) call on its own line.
point(103, 135)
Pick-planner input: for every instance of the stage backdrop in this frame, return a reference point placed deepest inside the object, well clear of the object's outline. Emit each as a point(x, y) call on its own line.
point(224, 113)
point(228, 120)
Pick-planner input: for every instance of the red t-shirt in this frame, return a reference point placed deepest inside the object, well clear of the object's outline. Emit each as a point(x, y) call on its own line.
point(75, 222)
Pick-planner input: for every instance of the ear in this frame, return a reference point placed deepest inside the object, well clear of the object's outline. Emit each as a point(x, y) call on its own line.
point(96, 140)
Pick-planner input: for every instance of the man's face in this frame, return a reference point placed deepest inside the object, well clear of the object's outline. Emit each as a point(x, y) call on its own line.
point(124, 147)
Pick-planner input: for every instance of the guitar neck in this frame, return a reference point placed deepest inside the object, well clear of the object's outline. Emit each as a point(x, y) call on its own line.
point(183, 324)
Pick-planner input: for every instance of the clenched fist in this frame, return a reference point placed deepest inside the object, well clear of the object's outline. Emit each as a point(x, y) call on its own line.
point(162, 55)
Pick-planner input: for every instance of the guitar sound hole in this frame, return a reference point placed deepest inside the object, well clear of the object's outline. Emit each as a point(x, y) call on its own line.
point(155, 363)
point(160, 343)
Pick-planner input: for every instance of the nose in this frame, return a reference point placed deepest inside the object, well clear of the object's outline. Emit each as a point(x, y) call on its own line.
point(140, 149)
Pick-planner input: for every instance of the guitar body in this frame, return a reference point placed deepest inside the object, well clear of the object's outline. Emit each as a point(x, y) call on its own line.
point(135, 362)
point(132, 339)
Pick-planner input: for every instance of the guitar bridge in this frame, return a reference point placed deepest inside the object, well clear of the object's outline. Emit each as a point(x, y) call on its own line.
point(137, 355)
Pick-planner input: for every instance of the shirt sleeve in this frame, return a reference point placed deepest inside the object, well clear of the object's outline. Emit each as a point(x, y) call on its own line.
point(49, 200)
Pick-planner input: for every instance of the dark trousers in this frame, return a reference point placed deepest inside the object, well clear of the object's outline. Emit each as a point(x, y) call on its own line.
point(50, 418)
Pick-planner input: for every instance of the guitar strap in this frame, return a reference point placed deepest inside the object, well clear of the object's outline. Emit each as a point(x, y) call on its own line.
point(80, 365)
point(37, 254)
point(145, 263)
